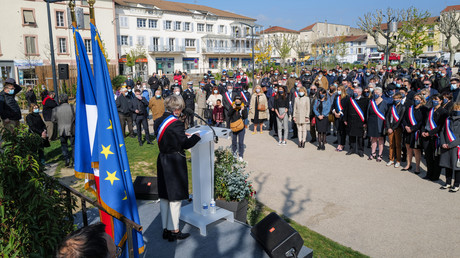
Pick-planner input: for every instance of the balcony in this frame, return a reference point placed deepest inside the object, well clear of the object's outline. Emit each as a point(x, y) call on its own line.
point(167, 48)
point(227, 50)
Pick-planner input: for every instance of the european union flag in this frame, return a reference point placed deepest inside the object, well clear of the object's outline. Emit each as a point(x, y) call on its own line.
point(85, 116)
point(115, 185)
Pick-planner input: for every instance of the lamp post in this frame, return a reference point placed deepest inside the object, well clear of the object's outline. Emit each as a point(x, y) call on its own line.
point(53, 62)
point(392, 26)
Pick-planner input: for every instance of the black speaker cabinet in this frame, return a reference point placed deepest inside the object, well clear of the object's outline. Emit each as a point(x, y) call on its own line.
point(277, 237)
point(63, 70)
point(146, 188)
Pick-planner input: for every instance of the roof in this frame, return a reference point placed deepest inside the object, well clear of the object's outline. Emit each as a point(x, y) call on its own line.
point(276, 29)
point(430, 20)
point(352, 38)
point(184, 8)
point(451, 8)
point(309, 27)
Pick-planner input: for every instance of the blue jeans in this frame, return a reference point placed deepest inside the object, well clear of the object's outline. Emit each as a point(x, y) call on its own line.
point(238, 142)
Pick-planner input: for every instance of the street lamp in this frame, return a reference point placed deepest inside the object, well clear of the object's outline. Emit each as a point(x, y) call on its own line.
point(53, 62)
point(392, 26)
point(252, 43)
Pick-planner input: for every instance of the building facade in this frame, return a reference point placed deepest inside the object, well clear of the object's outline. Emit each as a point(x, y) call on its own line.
point(171, 36)
point(25, 44)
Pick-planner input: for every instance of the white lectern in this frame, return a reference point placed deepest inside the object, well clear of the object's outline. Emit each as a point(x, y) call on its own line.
point(203, 179)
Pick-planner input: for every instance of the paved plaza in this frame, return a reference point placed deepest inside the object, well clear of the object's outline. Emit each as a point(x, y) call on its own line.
point(377, 210)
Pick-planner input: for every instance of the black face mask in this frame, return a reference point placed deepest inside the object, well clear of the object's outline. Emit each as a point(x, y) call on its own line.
point(238, 104)
point(312, 92)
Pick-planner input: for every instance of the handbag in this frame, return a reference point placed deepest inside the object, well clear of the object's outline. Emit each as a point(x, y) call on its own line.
point(237, 126)
point(331, 118)
point(208, 113)
point(46, 142)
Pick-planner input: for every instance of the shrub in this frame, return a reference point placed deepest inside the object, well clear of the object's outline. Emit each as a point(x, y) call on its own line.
point(117, 81)
point(34, 215)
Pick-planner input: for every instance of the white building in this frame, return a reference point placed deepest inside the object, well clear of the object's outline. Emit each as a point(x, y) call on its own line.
point(178, 36)
point(24, 36)
point(279, 34)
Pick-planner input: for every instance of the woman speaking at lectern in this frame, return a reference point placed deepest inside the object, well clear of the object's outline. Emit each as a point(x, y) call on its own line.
point(171, 165)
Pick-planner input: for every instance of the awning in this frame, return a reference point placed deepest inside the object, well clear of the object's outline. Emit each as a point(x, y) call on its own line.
point(23, 64)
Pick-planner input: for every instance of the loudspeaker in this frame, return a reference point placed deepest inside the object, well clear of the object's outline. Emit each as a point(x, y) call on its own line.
point(63, 70)
point(146, 188)
point(277, 237)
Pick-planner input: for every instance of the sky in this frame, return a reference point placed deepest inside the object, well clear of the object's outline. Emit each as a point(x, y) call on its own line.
point(297, 14)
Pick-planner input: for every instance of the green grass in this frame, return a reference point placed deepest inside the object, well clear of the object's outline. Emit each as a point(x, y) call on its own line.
point(142, 160)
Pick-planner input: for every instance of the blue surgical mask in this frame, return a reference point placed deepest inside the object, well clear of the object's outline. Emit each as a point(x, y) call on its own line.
point(366, 94)
point(368, 74)
point(376, 96)
point(36, 110)
point(391, 93)
point(453, 86)
point(444, 101)
point(430, 72)
point(339, 92)
point(158, 96)
point(216, 91)
point(11, 92)
point(416, 102)
point(398, 85)
point(418, 73)
point(301, 93)
point(281, 92)
point(402, 95)
point(355, 95)
point(396, 101)
point(296, 83)
point(321, 96)
point(443, 74)
point(435, 103)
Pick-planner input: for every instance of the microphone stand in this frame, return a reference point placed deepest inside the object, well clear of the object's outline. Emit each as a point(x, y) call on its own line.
point(216, 139)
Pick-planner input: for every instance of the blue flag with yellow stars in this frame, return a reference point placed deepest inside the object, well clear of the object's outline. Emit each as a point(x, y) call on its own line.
point(115, 186)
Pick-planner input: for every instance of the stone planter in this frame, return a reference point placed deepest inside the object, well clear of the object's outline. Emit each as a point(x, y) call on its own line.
point(239, 209)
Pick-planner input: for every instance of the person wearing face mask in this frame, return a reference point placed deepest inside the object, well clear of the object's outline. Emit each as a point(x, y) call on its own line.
point(140, 116)
point(441, 83)
point(129, 82)
point(355, 120)
point(238, 111)
point(313, 93)
point(258, 109)
point(450, 140)
point(189, 98)
point(227, 100)
point(48, 105)
point(376, 111)
point(339, 102)
point(44, 92)
point(153, 82)
point(200, 100)
point(447, 102)
point(212, 99)
point(412, 124)
point(322, 108)
point(393, 126)
point(164, 81)
point(178, 77)
point(37, 126)
point(9, 108)
point(331, 77)
point(366, 78)
point(275, 76)
point(156, 105)
point(273, 125)
point(172, 166)
point(454, 89)
point(130, 92)
point(125, 109)
point(431, 138)
point(291, 81)
point(389, 93)
point(282, 113)
point(293, 95)
point(322, 81)
point(306, 79)
point(301, 115)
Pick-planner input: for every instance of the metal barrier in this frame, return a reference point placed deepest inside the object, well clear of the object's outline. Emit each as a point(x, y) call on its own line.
point(129, 224)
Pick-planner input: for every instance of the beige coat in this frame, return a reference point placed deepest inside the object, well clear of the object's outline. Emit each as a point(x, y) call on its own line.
point(323, 82)
point(157, 107)
point(213, 99)
point(200, 99)
point(301, 109)
point(262, 101)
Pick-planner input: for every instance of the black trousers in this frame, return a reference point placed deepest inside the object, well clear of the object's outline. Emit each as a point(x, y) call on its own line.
point(449, 173)
point(142, 120)
point(65, 147)
point(432, 160)
point(342, 137)
point(294, 128)
point(357, 144)
point(272, 121)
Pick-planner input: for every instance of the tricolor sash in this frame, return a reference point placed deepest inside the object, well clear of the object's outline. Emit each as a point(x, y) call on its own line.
point(339, 104)
point(451, 137)
point(394, 113)
point(431, 119)
point(165, 124)
point(244, 97)
point(229, 99)
point(412, 116)
point(357, 109)
point(296, 94)
point(376, 110)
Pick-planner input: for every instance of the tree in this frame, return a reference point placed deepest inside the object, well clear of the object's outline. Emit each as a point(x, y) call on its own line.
point(133, 55)
point(449, 27)
point(301, 47)
point(262, 52)
point(340, 47)
point(413, 32)
point(372, 22)
point(283, 44)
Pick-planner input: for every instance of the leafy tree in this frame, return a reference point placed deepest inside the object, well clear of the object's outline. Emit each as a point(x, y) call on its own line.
point(283, 44)
point(262, 52)
point(449, 26)
point(414, 35)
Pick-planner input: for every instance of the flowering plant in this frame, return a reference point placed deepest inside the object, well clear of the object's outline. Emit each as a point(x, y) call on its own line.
point(230, 177)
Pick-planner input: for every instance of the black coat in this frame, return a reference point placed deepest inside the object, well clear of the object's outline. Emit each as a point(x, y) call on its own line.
point(31, 97)
point(449, 156)
point(189, 99)
point(124, 105)
point(171, 163)
point(9, 108)
point(355, 126)
point(141, 105)
point(35, 123)
point(391, 123)
point(227, 105)
point(48, 105)
point(154, 83)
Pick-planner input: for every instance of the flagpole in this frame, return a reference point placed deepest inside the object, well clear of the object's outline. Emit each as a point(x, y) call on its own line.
point(92, 18)
point(72, 13)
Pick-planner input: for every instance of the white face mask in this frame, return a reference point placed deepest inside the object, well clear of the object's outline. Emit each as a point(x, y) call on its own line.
point(229, 90)
point(177, 93)
point(257, 90)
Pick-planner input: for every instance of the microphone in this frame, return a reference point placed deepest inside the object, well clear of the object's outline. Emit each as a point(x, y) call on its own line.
point(190, 112)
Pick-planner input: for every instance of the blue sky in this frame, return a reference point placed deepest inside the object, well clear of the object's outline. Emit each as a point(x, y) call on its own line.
point(297, 14)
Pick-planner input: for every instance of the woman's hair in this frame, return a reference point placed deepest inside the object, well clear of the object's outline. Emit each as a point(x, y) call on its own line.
point(174, 102)
point(421, 97)
point(343, 92)
point(257, 87)
point(378, 89)
point(436, 96)
point(322, 91)
point(447, 95)
point(215, 88)
point(456, 106)
point(282, 95)
point(302, 89)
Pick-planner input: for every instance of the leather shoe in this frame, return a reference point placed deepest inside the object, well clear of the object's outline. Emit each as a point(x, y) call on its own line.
point(166, 233)
point(178, 236)
point(312, 140)
point(149, 142)
point(349, 153)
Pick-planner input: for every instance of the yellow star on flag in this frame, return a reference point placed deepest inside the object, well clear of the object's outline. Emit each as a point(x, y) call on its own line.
point(126, 197)
point(121, 145)
point(106, 151)
point(111, 177)
point(110, 127)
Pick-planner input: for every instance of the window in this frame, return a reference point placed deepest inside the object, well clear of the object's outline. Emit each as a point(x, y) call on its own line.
point(141, 23)
point(153, 24)
point(208, 27)
point(124, 40)
point(88, 46)
point(190, 42)
point(351, 50)
point(200, 27)
point(154, 46)
point(187, 26)
point(30, 45)
point(141, 40)
point(123, 21)
point(171, 41)
point(29, 17)
point(430, 48)
point(177, 25)
point(84, 2)
point(86, 22)
point(221, 43)
point(359, 43)
point(167, 25)
point(60, 19)
point(62, 45)
point(360, 50)
point(221, 29)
